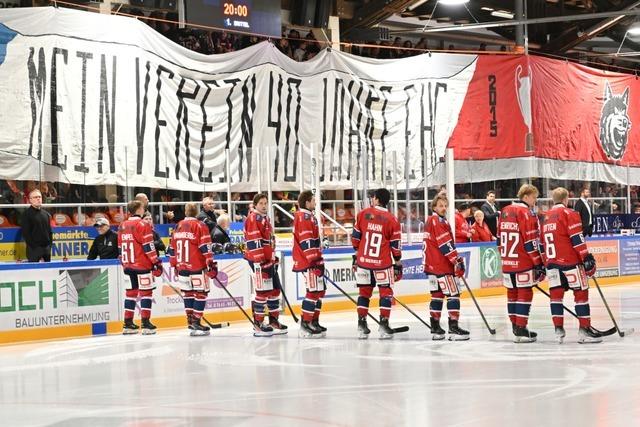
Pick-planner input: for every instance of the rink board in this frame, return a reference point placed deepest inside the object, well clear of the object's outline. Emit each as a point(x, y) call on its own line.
point(83, 298)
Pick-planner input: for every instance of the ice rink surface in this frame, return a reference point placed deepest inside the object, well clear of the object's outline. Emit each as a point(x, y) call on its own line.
point(233, 379)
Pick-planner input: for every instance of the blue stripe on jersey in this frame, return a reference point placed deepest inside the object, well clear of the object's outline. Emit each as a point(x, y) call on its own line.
point(204, 249)
point(170, 251)
point(305, 245)
point(356, 234)
point(530, 246)
point(148, 247)
point(577, 239)
point(254, 244)
point(446, 249)
point(395, 244)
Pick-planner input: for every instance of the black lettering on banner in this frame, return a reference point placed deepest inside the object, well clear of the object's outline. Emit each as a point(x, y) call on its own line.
point(85, 56)
point(37, 86)
point(203, 134)
point(385, 130)
point(431, 127)
point(55, 108)
point(233, 83)
point(339, 85)
point(141, 122)
point(161, 69)
point(277, 124)
point(109, 113)
point(355, 132)
point(246, 122)
point(182, 117)
point(368, 133)
point(342, 118)
point(324, 128)
point(291, 82)
point(493, 123)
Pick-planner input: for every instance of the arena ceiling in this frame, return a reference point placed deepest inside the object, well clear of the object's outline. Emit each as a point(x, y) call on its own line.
point(589, 33)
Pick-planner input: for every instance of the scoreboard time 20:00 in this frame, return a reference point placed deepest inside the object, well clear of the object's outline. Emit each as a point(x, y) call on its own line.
point(237, 10)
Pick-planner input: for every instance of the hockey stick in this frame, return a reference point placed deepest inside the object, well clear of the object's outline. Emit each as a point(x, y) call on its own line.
point(615, 324)
point(491, 330)
point(284, 295)
point(255, 327)
point(568, 310)
point(395, 330)
point(211, 325)
point(412, 312)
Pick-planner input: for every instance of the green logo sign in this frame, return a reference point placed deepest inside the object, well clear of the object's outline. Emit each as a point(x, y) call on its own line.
point(490, 264)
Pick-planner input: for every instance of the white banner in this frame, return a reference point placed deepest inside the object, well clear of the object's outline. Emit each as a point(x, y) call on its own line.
point(129, 107)
point(50, 297)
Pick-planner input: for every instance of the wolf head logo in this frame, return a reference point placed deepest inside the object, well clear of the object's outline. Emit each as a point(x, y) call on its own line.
point(614, 123)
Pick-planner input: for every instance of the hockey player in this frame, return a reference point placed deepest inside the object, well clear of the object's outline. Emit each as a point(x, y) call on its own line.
point(307, 260)
point(140, 263)
point(376, 240)
point(190, 254)
point(568, 263)
point(522, 267)
point(258, 236)
point(443, 267)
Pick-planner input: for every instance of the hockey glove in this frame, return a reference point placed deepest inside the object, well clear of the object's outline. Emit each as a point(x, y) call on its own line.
point(157, 269)
point(459, 269)
point(589, 265)
point(397, 272)
point(539, 273)
point(212, 269)
point(318, 269)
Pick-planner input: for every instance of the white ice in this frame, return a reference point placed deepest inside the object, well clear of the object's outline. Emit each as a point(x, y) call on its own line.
point(234, 379)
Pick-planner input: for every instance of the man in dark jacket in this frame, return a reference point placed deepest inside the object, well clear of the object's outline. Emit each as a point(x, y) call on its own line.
point(105, 246)
point(583, 208)
point(36, 229)
point(220, 232)
point(208, 214)
point(491, 212)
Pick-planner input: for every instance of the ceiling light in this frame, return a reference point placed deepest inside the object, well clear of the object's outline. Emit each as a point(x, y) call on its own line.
point(416, 4)
point(502, 14)
point(634, 30)
point(453, 2)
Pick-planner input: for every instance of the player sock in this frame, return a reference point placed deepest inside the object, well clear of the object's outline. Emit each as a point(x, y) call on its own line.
point(512, 296)
point(258, 307)
point(131, 296)
point(386, 296)
point(146, 298)
point(453, 307)
point(557, 311)
point(435, 306)
point(583, 310)
point(363, 300)
point(199, 304)
point(523, 306)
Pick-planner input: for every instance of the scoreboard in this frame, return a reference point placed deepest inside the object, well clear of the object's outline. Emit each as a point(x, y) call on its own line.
point(251, 16)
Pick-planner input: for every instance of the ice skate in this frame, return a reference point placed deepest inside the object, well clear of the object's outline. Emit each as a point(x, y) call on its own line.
point(130, 328)
point(308, 330)
point(560, 334)
point(197, 329)
point(278, 328)
point(523, 335)
point(456, 333)
point(363, 329)
point(148, 328)
point(437, 333)
point(385, 331)
point(262, 330)
point(588, 336)
point(322, 329)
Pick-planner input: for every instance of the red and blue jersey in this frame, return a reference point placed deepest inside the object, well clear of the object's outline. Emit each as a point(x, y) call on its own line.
point(562, 238)
point(518, 238)
point(135, 242)
point(376, 239)
point(258, 235)
point(306, 241)
point(439, 251)
point(190, 247)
